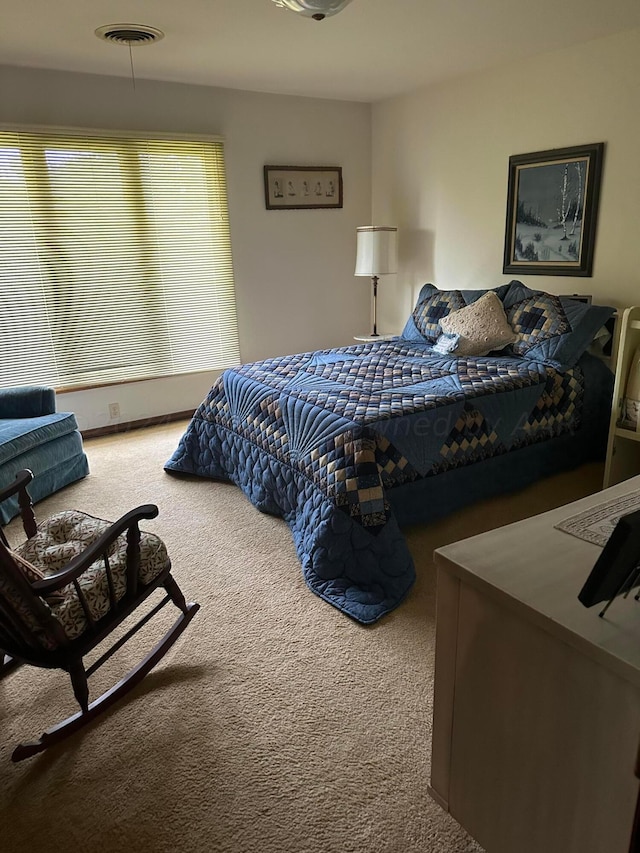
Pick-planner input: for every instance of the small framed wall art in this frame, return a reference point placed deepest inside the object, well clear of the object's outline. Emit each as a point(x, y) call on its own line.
point(552, 208)
point(300, 187)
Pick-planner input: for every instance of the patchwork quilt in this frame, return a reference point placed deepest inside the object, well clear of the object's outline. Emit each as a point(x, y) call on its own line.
point(320, 438)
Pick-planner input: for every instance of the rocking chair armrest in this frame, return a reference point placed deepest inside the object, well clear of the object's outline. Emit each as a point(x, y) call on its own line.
point(22, 480)
point(81, 563)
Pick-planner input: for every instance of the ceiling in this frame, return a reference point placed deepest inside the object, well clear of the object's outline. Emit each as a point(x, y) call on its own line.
point(371, 50)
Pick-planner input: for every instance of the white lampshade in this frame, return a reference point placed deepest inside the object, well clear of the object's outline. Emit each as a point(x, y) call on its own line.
point(318, 9)
point(377, 252)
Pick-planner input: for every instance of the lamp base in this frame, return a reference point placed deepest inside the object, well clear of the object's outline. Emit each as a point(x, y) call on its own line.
point(374, 281)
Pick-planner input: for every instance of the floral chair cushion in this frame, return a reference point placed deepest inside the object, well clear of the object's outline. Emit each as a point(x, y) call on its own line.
point(13, 594)
point(66, 535)
point(32, 573)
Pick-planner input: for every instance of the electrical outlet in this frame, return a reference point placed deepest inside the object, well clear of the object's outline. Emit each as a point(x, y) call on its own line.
point(114, 410)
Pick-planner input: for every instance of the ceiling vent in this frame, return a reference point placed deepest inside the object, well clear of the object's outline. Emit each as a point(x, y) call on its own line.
point(129, 34)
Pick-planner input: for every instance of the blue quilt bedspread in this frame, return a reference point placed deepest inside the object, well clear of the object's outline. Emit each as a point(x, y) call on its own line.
point(319, 439)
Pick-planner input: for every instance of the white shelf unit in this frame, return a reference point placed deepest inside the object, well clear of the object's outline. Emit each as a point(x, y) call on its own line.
point(623, 448)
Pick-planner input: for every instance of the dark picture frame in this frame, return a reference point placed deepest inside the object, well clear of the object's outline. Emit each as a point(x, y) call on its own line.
point(552, 211)
point(302, 187)
point(617, 569)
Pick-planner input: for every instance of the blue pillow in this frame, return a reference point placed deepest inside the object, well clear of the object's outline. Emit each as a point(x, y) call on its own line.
point(433, 304)
point(554, 330)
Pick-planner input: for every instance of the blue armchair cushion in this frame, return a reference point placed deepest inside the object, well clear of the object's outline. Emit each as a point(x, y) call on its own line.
point(18, 435)
point(29, 401)
point(33, 435)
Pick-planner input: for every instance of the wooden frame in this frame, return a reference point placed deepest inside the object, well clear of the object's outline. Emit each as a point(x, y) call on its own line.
point(623, 446)
point(302, 187)
point(552, 209)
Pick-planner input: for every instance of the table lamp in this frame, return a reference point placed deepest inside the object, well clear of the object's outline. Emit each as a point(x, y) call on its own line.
point(376, 255)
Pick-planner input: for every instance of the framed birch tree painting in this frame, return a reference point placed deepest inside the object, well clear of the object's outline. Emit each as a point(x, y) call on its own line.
point(552, 209)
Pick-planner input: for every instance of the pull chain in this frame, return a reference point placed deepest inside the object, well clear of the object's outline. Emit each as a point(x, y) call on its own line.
point(133, 76)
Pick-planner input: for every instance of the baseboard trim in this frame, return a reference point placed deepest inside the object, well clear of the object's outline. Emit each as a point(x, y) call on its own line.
point(112, 429)
point(436, 796)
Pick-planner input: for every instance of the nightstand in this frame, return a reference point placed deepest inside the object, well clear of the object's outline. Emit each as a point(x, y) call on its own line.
point(371, 338)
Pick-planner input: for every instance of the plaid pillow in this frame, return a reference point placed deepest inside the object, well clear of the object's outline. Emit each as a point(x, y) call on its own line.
point(433, 304)
point(553, 330)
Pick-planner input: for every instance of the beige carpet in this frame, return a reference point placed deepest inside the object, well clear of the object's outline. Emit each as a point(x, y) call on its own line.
point(275, 724)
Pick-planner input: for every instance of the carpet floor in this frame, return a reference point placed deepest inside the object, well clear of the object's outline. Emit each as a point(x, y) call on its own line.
point(275, 724)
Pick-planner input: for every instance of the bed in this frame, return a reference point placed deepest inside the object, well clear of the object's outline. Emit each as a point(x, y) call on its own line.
point(350, 444)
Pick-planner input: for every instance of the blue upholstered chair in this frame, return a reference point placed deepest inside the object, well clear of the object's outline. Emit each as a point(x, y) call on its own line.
point(34, 436)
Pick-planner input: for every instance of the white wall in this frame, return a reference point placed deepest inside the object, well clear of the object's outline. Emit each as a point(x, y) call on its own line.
point(440, 165)
point(293, 269)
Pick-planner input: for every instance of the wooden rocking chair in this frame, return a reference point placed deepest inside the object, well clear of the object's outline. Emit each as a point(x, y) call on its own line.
point(66, 588)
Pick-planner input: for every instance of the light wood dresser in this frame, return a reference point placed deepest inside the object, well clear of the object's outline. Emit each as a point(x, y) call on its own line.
point(537, 700)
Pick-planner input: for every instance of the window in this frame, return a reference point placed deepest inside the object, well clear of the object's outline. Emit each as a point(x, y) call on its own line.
point(115, 259)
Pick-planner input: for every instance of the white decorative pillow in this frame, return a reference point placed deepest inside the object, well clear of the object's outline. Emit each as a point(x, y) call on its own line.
point(481, 326)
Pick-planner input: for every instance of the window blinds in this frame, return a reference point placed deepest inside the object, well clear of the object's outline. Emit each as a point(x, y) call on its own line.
point(115, 259)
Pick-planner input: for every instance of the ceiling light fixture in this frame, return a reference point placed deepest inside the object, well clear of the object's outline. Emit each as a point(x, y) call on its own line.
point(316, 9)
point(130, 35)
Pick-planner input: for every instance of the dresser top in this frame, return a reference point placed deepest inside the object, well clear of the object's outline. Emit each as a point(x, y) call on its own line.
point(538, 571)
